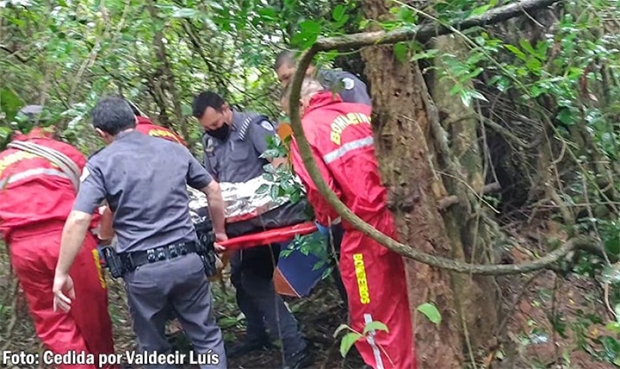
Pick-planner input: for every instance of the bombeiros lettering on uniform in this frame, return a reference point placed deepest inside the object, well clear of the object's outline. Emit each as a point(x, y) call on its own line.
point(19, 359)
point(162, 133)
point(362, 282)
point(14, 158)
point(71, 357)
point(342, 121)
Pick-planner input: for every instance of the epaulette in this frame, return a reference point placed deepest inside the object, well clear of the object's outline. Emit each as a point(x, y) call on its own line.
point(95, 153)
point(254, 119)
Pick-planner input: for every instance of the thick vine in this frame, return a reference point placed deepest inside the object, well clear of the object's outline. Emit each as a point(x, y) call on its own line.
point(419, 33)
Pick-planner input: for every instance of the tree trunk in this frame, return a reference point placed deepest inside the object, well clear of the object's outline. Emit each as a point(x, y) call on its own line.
point(473, 232)
point(401, 126)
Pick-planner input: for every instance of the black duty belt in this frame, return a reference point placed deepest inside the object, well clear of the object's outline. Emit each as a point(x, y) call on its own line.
point(132, 260)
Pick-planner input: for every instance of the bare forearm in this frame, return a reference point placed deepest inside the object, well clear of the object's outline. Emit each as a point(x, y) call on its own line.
point(72, 238)
point(106, 231)
point(216, 207)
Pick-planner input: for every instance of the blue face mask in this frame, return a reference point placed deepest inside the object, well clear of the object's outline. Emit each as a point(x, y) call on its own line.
point(219, 133)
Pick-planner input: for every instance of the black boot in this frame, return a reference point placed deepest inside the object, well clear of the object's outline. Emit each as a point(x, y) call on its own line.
point(249, 345)
point(300, 360)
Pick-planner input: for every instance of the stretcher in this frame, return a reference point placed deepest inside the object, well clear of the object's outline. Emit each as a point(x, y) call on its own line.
point(277, 235)
point(296, 273)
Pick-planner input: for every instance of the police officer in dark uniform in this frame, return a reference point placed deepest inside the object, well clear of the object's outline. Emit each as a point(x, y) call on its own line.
point(143, 179)
point(233, 143)
point(347, 85)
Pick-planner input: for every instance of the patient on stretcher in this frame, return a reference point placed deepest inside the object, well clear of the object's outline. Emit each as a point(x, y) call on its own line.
point(249, 210)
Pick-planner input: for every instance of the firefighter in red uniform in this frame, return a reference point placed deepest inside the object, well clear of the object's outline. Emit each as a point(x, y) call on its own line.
point(341, 139)
point(35, 200)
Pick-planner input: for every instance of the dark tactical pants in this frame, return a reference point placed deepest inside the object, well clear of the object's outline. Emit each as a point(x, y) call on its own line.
point(252, 275)
point(178, 287)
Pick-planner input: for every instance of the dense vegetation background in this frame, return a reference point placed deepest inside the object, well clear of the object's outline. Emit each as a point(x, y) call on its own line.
point(497, 138)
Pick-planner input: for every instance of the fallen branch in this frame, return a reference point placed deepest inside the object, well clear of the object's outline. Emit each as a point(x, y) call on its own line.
point(418, 33)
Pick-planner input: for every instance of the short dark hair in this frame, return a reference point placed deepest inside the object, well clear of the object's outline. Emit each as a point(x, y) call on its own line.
point(113, 115)
point(285, 57)
point(204, 100)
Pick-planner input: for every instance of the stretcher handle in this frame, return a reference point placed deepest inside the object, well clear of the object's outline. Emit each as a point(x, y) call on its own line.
point(276, 235)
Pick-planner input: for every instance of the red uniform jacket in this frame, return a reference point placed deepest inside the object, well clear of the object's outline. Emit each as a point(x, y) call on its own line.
point(341, 139)
point(147, 127)
point(34, 191)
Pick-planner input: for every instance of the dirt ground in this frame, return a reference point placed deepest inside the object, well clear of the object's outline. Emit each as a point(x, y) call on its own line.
point(531, 341)
point(319, 316)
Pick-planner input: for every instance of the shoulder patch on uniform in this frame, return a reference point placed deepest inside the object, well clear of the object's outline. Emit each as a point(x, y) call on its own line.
point(85, 174)
point(348, 83)
point(265, 124)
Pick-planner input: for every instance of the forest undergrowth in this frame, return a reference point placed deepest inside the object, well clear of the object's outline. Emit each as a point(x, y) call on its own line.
point(527, 107)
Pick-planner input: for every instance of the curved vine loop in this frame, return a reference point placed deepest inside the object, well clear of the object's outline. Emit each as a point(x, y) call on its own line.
point(418, 33)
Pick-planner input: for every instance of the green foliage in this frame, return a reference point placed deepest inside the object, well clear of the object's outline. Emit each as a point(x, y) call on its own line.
point(67, 55)
point(351, 337)
point(284, 182)
point(431, 312)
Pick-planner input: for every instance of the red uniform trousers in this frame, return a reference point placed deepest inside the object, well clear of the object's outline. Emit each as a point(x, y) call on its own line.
point(374, 278)
point(87, 326)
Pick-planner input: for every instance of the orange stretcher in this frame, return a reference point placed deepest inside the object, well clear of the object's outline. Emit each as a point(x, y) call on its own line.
point(294, 276)
point(276, 235)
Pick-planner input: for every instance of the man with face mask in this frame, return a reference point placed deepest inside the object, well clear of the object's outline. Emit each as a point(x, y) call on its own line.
point(143, 179)
point(233, 143)
point(341, 140)
point(35, 199)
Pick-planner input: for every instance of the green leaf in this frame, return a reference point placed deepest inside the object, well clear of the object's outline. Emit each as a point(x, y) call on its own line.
point(565, 116)
point(4, 132)
point(275, 192)
point(525, 45)
point(374, 326)
point(340, 328)
point(310, 27)
point(406, 16)
point(425, 54)
point(612, 244)
point(480, 10)
point(477, 95)
point(348, 341)
point(533, 65)
point(430, 311)
point(466, 97)
point(519, 54)
point(268, 13)
point(263, 188)
point(400, 51)
point(338, 12)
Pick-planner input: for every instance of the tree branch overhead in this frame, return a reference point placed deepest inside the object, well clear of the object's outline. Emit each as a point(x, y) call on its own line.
point(420, 33)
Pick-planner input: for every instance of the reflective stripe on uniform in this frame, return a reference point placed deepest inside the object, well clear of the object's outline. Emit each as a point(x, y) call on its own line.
point(344, 149)
point(373, 344)
point(32, 173)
